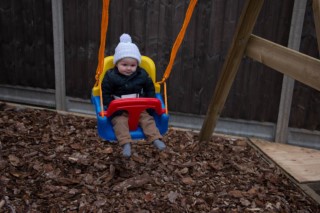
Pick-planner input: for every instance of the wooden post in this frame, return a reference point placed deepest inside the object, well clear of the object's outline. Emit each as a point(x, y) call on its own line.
point(244, 29)
point(316, 15)
point(298, 13)
point(58, 46)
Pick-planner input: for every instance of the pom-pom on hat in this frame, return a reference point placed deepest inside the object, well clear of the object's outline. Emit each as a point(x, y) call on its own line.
point(126, 49)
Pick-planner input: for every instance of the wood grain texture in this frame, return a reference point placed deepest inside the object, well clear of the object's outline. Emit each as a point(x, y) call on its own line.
point(303, 164)
point(244, 29)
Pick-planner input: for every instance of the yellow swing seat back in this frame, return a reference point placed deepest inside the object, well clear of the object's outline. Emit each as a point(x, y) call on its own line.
point(105, 129)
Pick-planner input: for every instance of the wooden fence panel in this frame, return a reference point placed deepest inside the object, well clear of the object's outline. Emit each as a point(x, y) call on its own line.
point(256, 91)
point(305, 111)
point(26, 48)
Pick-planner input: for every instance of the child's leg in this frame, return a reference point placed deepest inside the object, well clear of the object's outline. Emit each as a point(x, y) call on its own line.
point(149, 127)
point(121, 129)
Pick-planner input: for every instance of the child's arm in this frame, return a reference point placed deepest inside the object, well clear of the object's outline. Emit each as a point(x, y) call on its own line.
point(107, 90)
point(149, 88)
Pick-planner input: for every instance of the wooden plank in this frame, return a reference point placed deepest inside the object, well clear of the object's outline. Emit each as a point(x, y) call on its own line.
point(299, 10)
point(244, 29)
point(303, 164)
point(316, 15)
point(311, 190)
point(299, 66)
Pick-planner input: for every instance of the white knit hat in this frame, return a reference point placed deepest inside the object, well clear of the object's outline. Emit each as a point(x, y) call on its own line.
point(126, 49)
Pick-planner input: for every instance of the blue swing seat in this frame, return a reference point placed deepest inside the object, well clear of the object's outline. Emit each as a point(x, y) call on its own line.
point(105, 128)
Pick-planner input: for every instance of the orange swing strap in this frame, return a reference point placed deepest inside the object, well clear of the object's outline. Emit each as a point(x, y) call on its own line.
point(103, 34)
point(176, 47)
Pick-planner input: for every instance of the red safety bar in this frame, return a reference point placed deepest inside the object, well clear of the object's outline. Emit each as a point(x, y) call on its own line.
point(134, 107)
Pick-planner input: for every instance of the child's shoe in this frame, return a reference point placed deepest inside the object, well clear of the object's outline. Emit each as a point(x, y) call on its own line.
point(126, 150)
point(159, 144)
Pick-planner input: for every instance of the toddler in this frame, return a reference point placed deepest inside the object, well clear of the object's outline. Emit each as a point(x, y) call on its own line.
point(127, 79)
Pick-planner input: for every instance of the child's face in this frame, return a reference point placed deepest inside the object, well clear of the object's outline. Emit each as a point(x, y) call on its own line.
point(127, 66)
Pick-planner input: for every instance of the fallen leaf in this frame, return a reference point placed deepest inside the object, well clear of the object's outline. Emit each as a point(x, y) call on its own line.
point(134, 182)
point(14, 160)
point(184, 171)
point(235, 193)
point(107, 150)
point(172, 196)
point(187, 180)
point(148, 197)
point(100, 203)
point(137, 158)
point(245, 202)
